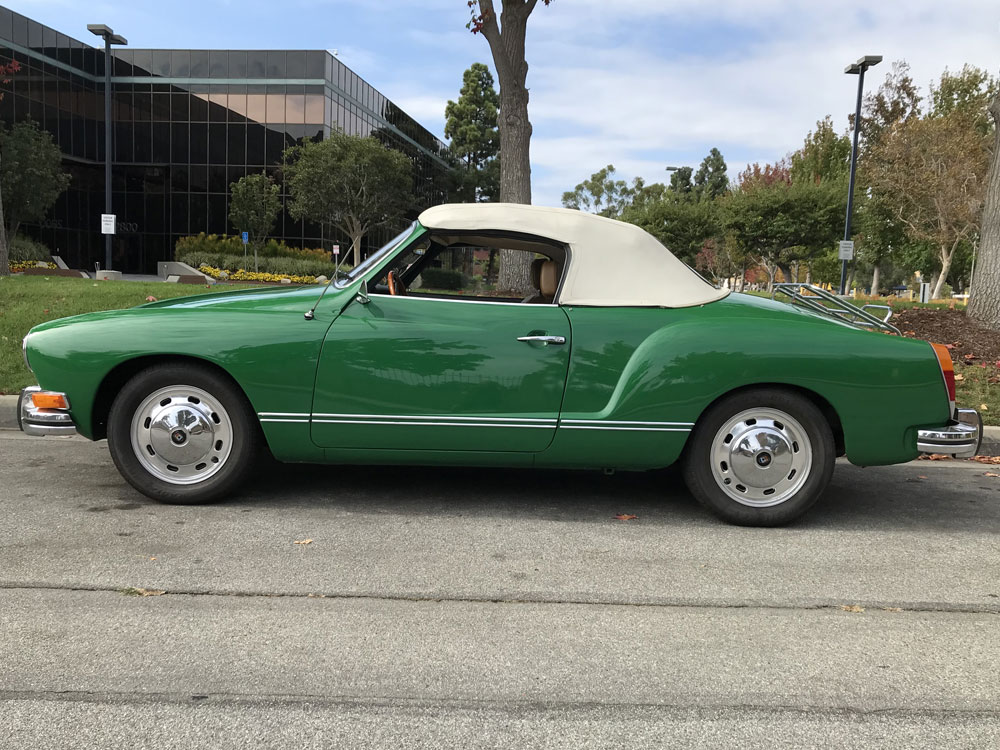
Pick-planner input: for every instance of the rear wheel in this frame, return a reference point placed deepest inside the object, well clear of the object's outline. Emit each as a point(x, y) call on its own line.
point(182, 434)
point(760, 457)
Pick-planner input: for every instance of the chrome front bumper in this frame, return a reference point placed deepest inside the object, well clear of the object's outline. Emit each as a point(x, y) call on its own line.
point(41, 422)
point(959, 439)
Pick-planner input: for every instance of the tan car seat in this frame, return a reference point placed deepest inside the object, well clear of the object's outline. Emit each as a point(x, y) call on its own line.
point(548, 280)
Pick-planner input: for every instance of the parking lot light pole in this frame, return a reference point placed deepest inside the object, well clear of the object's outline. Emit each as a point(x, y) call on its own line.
point(858, 69)
point(110, 37)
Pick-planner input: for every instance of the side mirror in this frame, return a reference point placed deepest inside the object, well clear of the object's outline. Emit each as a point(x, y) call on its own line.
point(362, 296)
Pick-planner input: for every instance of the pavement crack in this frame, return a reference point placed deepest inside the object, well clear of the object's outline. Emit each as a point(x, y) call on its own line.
point(855, 607)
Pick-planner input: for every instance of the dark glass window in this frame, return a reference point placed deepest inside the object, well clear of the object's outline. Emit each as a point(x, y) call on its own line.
point(161, 63)
point(237, 64)
point(274, 145)
point(217, 220)
point(217, 179)
point(161, 142)
point(142, 140)
point(316, 64)
point(179, 138)
point(141, 105)
point(275, 64)
point(180, 63)
point(121, 66)
point(199, 107)
point(218, 64)
point(199, 143)
point(199, 179)
point(179, 213)
point(216, 144)
point(218, 106)
point(234, 174)
point(179, 106)
point(34, 34)
point(198, 218)
point(255, 145)
point(142, 61)
point(199, 63)
point(6, 24)
point(122, 135)
point(295, 64)
point(179, 179)
point(256, 64)
point(237, 104)
point(237, 144)
point(160, 107)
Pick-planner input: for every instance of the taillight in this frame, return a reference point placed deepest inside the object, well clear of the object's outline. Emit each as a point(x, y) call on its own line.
point(947, 369)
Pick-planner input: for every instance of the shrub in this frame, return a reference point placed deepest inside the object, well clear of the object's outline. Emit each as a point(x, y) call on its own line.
point(279, 266)
point(225, 245)
point(443, 278)
point(25, 249)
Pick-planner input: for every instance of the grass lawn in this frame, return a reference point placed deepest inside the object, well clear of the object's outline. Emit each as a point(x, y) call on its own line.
point(26, 301)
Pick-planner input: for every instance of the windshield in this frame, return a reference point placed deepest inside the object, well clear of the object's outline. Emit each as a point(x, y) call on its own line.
point(378, 255)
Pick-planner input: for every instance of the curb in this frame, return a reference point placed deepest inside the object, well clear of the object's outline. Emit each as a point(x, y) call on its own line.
point(8, 412)
point(8, 421)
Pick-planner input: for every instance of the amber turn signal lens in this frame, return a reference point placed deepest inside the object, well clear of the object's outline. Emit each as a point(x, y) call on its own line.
point(49, 401)
point(947, 368)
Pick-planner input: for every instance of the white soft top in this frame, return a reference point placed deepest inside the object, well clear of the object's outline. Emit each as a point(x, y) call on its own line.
point(611, 263)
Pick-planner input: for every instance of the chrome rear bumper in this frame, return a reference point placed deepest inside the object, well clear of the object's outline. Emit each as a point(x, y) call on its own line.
point(960, 438)
point(41, 422)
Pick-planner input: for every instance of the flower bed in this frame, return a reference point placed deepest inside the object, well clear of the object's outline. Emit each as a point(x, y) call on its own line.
point(241, 275)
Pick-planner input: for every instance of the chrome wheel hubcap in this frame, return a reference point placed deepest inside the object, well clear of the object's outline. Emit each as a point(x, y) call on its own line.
point(761, 457)
point(181, 434)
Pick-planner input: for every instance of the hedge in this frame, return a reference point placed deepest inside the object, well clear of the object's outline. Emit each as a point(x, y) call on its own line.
point(443, 278)
point(25, 249)
point(225, 245)
point(281, 266)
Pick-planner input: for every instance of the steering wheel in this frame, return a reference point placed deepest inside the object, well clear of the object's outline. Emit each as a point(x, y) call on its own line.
point(396, 285)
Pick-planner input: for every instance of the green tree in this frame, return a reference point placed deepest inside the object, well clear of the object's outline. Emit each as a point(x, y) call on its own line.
point(776, 222)
point(681, 185)
point(506, 36)
point(254, 204)
point(896, 100)
point(711, 180)
point(931, 175)
point(824, 155)
point(967, 92)
point(682, 225)
point(352, 183)
point(6, 70)
point(471, 125)
point(31, 179)
point(603, 194)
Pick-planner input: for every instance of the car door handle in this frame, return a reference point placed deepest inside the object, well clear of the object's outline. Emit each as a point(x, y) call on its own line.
point(543, 339)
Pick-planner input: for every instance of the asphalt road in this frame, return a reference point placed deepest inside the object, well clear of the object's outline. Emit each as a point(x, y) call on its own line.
point(484, 608)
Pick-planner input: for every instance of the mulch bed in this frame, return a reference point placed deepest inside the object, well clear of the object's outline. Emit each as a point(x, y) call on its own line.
point(965, 336)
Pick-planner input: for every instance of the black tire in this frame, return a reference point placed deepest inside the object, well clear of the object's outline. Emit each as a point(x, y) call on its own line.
point(731, 479)
point(220, 430)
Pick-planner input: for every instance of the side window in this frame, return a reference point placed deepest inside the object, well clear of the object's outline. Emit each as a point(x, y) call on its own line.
point(467, 271)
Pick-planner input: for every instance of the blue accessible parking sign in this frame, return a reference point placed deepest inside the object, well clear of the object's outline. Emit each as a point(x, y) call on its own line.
point(246, 237)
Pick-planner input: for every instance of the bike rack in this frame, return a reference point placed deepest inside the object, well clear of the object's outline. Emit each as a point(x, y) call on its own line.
point(820, 300)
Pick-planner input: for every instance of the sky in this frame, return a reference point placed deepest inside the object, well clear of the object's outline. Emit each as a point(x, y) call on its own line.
point(640, 84)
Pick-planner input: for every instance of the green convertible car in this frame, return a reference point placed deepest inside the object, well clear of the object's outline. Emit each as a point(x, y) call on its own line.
point(621, 357)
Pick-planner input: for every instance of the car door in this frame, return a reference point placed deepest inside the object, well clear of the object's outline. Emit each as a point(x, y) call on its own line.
point(422, 373)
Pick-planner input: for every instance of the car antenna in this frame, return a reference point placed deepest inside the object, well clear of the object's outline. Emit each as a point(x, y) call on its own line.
point(310, 313)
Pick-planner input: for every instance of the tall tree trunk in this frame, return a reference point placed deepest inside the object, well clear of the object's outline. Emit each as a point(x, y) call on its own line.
point(506, 40)
point(984, 302)
point(875, 272)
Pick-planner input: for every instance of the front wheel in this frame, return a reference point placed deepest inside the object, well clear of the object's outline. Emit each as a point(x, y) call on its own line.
point(182, 434)
point(760, 457)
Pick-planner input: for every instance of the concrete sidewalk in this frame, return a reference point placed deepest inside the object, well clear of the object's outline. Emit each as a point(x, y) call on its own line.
point(8, 420)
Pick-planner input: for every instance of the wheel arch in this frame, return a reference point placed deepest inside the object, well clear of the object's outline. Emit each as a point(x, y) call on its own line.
point(821, 403)
point(125, 371)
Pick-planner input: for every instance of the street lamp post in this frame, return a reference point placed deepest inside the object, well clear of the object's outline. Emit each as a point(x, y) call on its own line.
point(858, 69)
point(110, 37)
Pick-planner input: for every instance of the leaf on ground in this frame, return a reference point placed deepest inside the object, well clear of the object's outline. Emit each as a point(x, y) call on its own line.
point(893, 609)
point(959, 377)
point(626, 517)
point(984, 407)
point(986, 459)
point(934, 457)
point(991, 474)
point(852, 608)
point(151, 298)
point(303, 541)
point(921, 476)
